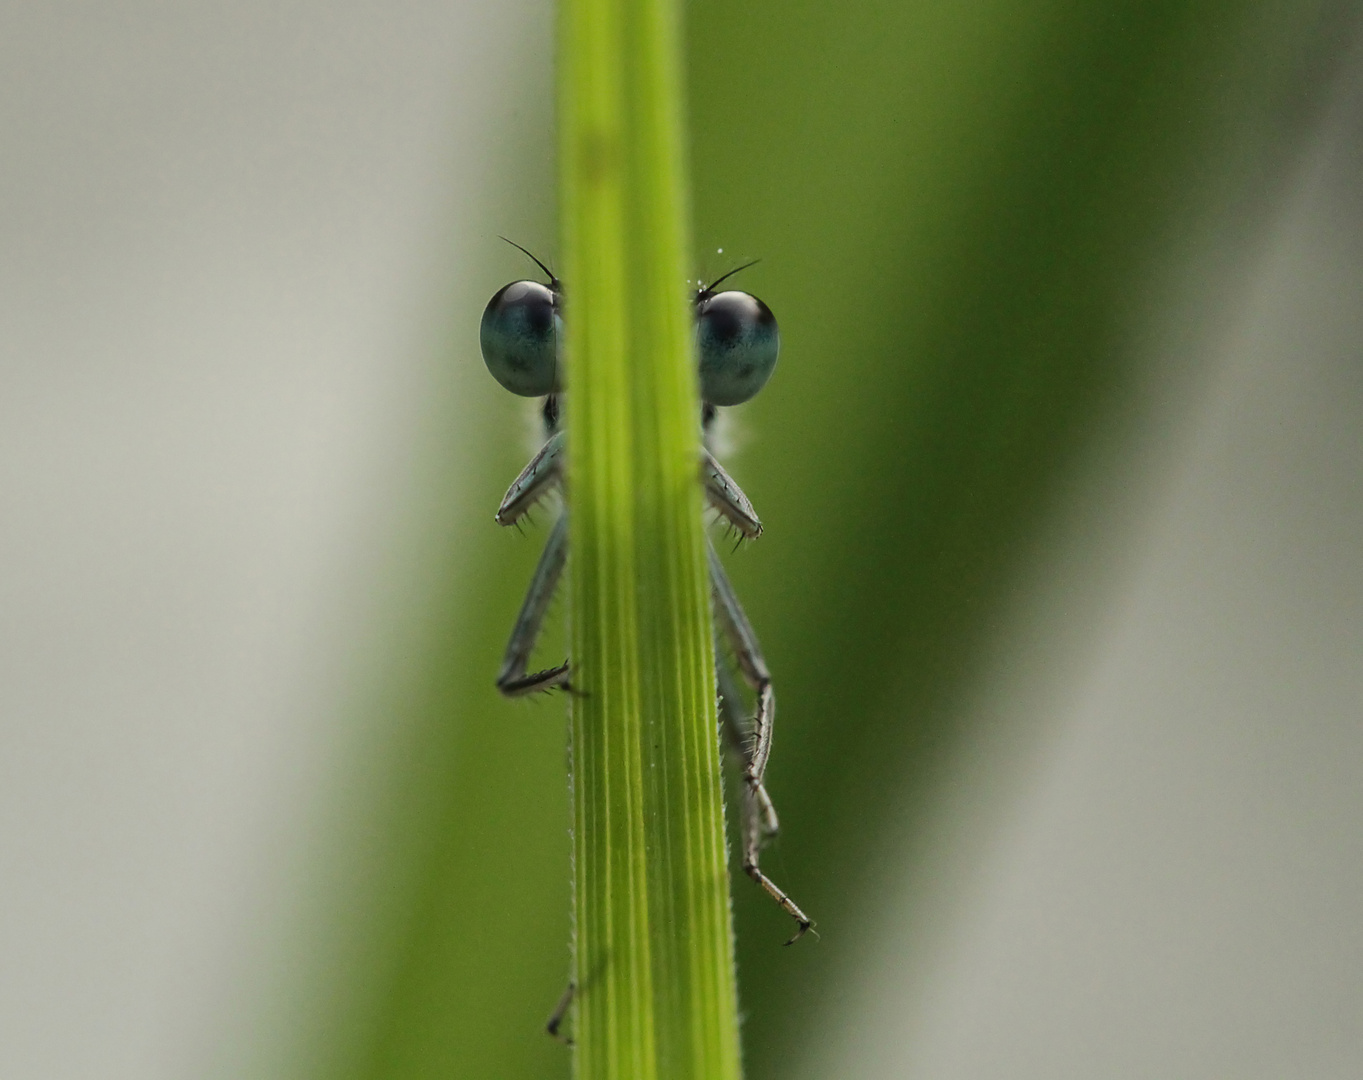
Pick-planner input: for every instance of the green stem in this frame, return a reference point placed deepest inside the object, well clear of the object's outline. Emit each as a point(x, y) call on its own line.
point(653, 948)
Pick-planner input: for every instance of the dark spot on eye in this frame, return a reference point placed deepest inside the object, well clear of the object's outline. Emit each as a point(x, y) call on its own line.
point(539, 318)
point(725, 324)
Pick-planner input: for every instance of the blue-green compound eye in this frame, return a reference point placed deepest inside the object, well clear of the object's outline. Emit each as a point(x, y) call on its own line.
point(519, 334)
point(737, 338)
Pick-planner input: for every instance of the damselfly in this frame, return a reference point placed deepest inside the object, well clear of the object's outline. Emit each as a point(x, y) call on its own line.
point(737, 342)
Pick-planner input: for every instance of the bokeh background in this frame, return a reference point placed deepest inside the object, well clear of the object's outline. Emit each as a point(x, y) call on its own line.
point(1061, 583)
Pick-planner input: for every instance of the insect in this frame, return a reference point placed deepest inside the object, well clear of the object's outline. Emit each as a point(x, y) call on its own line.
point(737, 342)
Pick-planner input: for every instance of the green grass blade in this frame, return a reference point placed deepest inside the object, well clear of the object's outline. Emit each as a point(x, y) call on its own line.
point(654, 950)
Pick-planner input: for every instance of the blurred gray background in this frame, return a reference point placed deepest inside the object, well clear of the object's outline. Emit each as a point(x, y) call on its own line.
point(1166, 878)
point(228, 242)
point(236, 440)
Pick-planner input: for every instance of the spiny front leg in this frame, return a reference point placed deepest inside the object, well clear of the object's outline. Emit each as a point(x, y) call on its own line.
point(512, 680)
point(759, 815)
point(543, 472)
point(724, 494)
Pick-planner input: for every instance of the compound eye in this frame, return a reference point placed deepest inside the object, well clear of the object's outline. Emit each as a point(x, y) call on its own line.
point(738, 341)
point(519, 335)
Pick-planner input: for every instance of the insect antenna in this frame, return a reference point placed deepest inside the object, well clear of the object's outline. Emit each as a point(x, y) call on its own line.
point(708, 289)
point(553, 281)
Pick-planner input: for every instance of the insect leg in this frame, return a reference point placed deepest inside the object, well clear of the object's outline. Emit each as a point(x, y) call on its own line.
point(512, 680)
point(536, 478)
point(736, 720)
point(560, 1013)
point(727, 497)
point(757, 748)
